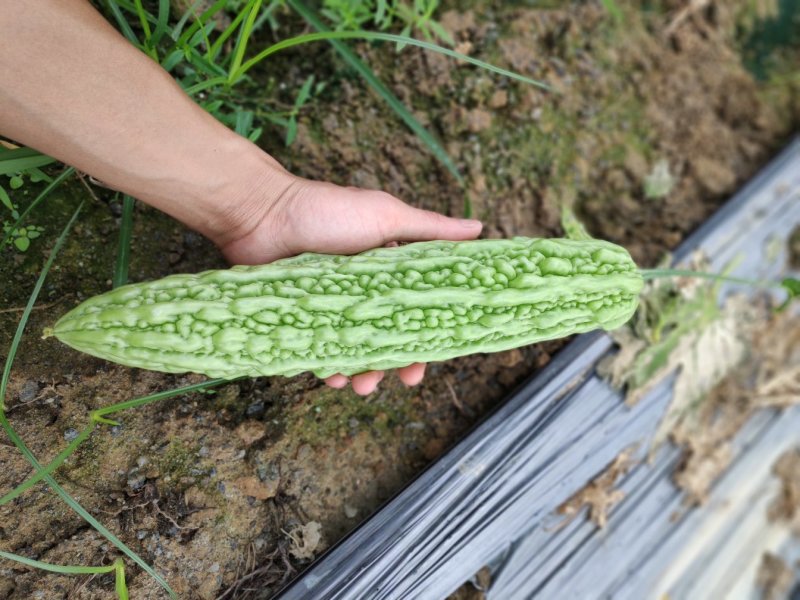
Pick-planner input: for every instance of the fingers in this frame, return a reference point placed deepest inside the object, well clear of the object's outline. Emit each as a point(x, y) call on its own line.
point(363, 383)
point(414, 224)
point(412, 374)
point(337, 381)
point(366, 383)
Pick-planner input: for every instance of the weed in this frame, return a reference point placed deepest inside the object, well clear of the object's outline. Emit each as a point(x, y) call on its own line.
point(413, 16)
point(20, 237)
point(19, 164)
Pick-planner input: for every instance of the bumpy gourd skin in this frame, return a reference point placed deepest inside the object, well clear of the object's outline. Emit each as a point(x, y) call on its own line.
point(381, 309)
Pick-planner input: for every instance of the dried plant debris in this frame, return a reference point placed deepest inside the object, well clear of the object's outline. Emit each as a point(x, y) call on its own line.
point(728, 362)
point(306, 539)
point(768, 379)
point(475, 588)
point(680, 327)
point(777, 376)
point(700, 467)
point(786, 506)
point(774, 577)
point(599, 494)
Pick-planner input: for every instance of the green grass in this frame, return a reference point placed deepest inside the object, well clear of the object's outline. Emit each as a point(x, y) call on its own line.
point(124, 244)
point(117, 567)
point(14, 160)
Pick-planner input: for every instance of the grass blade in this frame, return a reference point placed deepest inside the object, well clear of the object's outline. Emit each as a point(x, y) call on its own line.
point(73, 504)
point(121, 587)
point(122, 23)
point(5, 199)
point(142, 14)
point(384, 37)
point(203, 65)
point(19, 159)
point(162, 24)
point(213, 51)
point(385, 93)
point(124, 245)
point(51, 466)
point(29, 307)
point(65, 569)
point(200, 21)
point(101, 416)
point(242, 40)
point(204, 85)
point(101, 413)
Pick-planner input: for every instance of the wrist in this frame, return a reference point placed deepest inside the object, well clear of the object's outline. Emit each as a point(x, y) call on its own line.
point(222, 192)
point(238, 196)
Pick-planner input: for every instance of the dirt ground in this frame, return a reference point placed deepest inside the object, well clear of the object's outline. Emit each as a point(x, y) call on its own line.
point(230, 494)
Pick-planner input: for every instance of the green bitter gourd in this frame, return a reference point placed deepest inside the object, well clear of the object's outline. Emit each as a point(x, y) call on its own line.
point(381, 309)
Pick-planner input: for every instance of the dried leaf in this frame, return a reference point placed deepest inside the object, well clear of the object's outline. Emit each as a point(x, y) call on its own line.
point(700, 468)
point(786, 506)
point(774, 577)
point(679, 327)
point(599, 494)
point(305, 540)
point(769, 377)
point(704, 359)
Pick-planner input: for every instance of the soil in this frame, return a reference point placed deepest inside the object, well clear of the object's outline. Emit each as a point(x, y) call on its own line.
point(232, 493)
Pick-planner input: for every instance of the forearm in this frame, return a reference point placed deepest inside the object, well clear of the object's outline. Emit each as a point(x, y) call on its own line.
point(73, 88)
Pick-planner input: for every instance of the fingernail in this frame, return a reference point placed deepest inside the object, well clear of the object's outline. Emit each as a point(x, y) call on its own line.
point(469, 223)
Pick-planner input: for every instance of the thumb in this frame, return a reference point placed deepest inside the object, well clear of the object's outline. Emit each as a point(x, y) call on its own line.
point(411, 224)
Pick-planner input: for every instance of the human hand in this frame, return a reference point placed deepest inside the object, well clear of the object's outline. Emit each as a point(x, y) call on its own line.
point(308, 216)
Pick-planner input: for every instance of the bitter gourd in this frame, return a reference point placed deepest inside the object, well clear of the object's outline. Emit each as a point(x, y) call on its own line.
point(381, 309)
